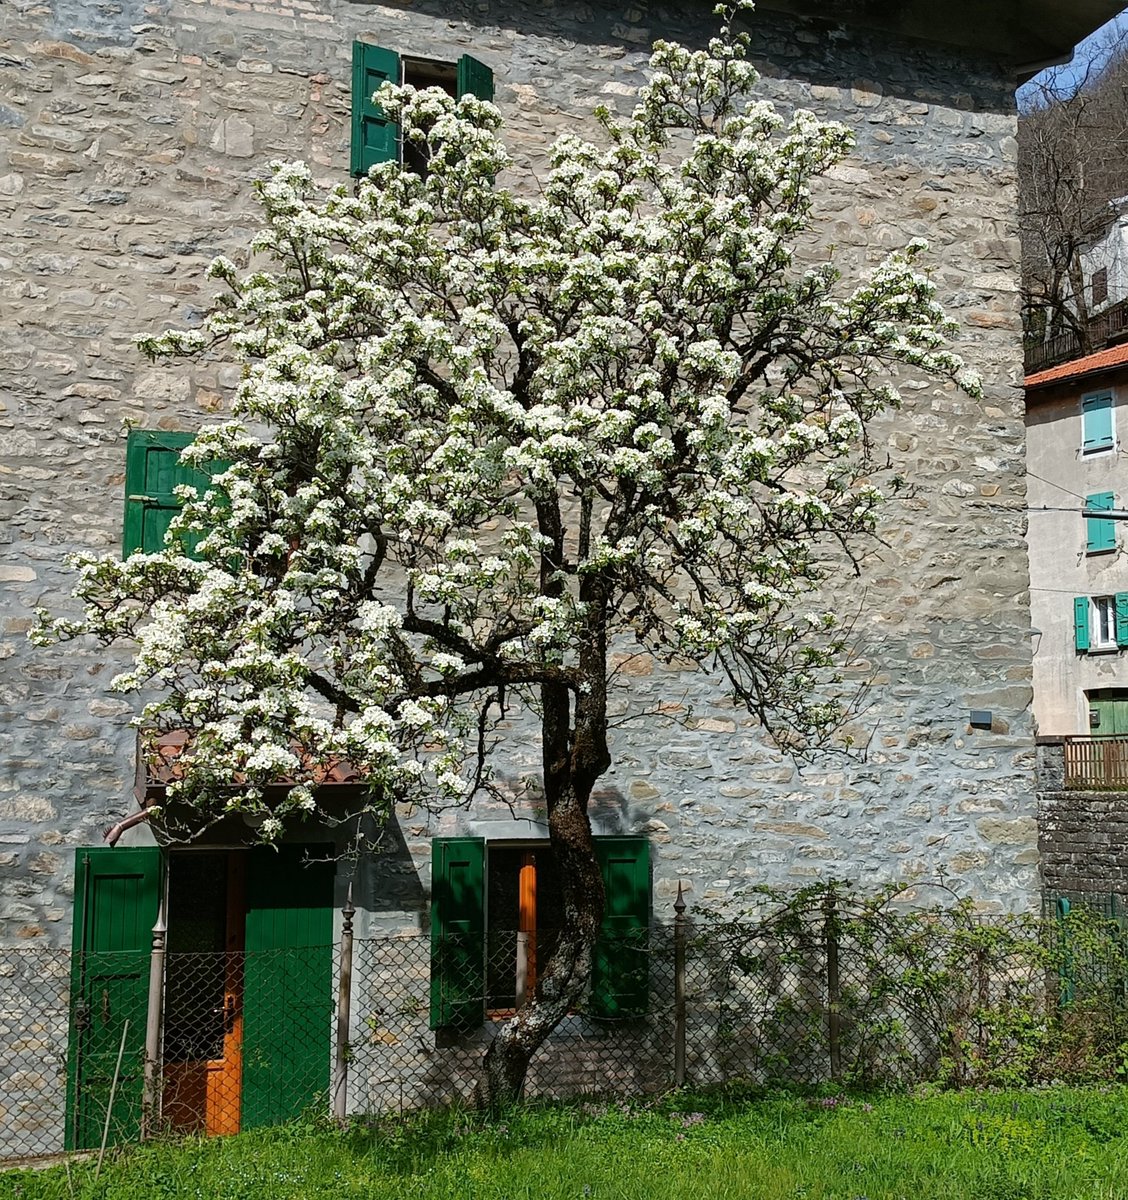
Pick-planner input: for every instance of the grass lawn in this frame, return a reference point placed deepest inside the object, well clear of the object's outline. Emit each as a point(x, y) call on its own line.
point(1056, 1144)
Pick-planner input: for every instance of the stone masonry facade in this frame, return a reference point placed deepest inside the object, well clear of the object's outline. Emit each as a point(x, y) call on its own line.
point(132, 134)
point(1082, 835)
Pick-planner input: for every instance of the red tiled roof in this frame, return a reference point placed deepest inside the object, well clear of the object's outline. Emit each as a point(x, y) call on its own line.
point(1091, 364)
point(162, 764)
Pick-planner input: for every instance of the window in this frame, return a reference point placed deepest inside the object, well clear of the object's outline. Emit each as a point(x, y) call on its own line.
point(1096, 423)
point(1099, 283)
point(153, 471)
point(495, 910)
point(375, 139)
point(1100, 622)
point(1100, 534)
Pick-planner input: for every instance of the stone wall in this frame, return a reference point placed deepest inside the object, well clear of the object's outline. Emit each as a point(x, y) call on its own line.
point(1082, 836)
point(133, 134)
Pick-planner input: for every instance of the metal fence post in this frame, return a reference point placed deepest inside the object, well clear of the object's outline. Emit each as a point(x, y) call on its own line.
point(679, 989)
point(833, 984)
point(151, 1091)
point(344, 1004)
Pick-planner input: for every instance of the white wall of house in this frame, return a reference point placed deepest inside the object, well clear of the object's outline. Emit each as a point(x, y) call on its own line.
point(1110, 252)
point(1060, 475)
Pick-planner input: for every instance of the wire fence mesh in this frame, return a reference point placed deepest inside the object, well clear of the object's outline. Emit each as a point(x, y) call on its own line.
point(809, 992)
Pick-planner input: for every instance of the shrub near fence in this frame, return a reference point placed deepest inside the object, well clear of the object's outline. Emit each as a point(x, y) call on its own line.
point(822, 985)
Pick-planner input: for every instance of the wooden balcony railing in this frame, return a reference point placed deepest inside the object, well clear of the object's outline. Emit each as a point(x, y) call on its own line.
point(1105, 329)
point(1097, 761)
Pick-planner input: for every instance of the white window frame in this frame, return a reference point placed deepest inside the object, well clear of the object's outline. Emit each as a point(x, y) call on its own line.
point(1102, 623)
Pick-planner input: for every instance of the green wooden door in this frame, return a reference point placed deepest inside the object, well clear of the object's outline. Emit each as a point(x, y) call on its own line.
point(288, 983)
point(117, 896)
point(1108, 712)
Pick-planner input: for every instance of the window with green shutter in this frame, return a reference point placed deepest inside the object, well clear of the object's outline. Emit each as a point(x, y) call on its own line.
point(458, 932)
point(1081, 622)
point(486, 943)
point(1100, 534)
point(620, 976)
point(1096, 422)
point(1100, 623)
point(375, 139)
point(153, 471)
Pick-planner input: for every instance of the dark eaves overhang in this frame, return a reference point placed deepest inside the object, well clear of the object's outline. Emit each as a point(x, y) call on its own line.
point(1025, 34)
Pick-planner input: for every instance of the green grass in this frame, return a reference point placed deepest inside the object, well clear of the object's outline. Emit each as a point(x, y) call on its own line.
point(1056, 1144)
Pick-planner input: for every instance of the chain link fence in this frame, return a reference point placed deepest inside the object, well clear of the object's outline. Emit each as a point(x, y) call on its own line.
point(826, 988)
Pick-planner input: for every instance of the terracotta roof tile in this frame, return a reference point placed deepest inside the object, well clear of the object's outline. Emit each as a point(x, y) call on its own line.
point(1091, 364)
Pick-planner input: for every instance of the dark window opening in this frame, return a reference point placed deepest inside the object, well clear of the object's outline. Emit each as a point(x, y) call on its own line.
point(525, 911)
point(425, 73)
point(1100, 285)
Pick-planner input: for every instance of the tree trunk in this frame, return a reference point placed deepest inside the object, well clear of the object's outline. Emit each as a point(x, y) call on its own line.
point(568, 969)
point(574, 755)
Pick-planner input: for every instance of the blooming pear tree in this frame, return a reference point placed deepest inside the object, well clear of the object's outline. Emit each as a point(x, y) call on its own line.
point(484, 436)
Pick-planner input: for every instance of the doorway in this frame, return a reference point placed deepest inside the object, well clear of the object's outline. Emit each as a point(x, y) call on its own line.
point(203, 1027)
point(248, 987)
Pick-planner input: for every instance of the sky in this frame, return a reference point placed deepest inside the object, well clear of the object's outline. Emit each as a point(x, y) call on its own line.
point(1092, 53)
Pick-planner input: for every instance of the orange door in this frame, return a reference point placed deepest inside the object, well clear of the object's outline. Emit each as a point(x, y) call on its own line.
point(224, 1074)
point(203, 1075)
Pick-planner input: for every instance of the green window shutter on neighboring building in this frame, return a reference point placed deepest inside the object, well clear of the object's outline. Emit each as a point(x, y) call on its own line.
point(1081, 622)
point(458, 932)
point(116, 900)
point(620, 979)
point(1096, 422)
point(1122, 619)
point(153, 471)
point(1100, 534)
point(474, 78)
point(375, 139)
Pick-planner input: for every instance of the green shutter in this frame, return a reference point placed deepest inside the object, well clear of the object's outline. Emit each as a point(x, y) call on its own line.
point(153, 471)
point(1081, 622)
point(1100, 534)
point(1121, 600)
point(458, 929)
point(116, 900)
point(474, 78)
point(1096, 422)
point(375, 139)
point(288, 982)
point(620, 978)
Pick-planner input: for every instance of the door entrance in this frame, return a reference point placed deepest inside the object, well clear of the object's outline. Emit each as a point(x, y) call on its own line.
point(203, 1047)
point(248, 986)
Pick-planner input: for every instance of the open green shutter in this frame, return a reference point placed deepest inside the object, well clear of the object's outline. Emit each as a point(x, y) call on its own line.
point(288, 982)
point(375, 139)
point(620, 978)
point(153, 471)
point(1081, 622)
point(1100, 534)
point(474, 78)
point(116, 900)
point(1121, 619)
point(458, 932)
point(1096, 422)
